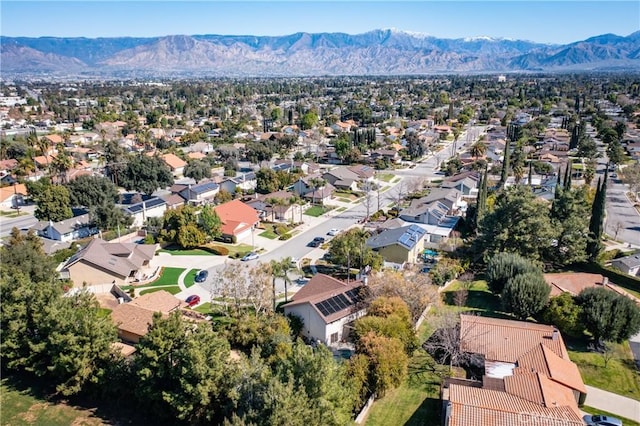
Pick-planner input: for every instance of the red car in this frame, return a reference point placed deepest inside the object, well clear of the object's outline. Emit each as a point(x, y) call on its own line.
point(193, 300)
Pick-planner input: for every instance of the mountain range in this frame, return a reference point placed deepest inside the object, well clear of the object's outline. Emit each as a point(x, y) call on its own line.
point(378, 52)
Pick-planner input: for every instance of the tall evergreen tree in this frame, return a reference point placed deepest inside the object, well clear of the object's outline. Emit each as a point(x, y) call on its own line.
point(596, 224)
point(573, 142)
point(567, 180)
point(505, 164)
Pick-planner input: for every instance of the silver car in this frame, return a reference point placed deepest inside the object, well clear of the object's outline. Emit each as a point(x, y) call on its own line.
point(600, 420)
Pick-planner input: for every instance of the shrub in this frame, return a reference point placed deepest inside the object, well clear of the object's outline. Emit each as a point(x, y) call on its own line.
point(149, 239)
point(284, 237)
point(564, 313)
point(504, 266)
point(280, 230)
point(608, 315)
point(525, 294)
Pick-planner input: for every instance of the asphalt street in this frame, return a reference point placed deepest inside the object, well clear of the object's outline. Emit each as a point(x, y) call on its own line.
point(22, 222)
point(298, 246)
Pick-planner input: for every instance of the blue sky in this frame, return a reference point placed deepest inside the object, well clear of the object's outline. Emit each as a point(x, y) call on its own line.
point(540, 21)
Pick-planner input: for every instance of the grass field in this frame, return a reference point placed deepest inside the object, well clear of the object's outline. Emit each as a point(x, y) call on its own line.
point(190, 278)
point(169, 276)
point(315, 211)
point(174, 289)
point(20, 407)
point(385, 177)
point(182, 252)
point(268, 234)
point(620, 376)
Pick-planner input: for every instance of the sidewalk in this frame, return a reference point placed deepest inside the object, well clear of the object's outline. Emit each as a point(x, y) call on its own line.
point(612, 403)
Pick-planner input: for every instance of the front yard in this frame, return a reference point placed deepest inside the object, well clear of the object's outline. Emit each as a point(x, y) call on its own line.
point(620, 376)
point(317, 211)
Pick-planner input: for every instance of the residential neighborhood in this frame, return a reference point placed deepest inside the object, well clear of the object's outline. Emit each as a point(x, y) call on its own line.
point(465, 247)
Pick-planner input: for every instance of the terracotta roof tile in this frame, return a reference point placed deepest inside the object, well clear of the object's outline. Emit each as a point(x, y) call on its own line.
point(506, 340)
point(236, 216)
point(173, 161)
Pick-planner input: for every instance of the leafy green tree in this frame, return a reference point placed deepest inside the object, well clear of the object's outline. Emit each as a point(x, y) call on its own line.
point(587, 148)
point(478, 149)
point(108, 216)
point(53, 201)
point(315, 373)
point(563, 312)
point(210, 222)
point(615, 152)
point(174, 219)
point(350, 250)
point(64, 340)
point(390, 317)
point(607, 315)
point(519, 223)
point(570, 215)
point(115, 159)
point(263, 399)
point(309, 120)
point(183, 370)
point(198, 170)
point(388, 362)
point(223, 196)
point(190, 236)
point(146, 174)
point(525, 294)
point(631, 176)
point(24, 253)
point(504, 266)
point(91, 191)
point(267, 181)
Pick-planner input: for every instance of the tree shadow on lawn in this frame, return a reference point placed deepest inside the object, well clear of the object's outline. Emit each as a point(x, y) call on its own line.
point(107, 410)
point(428, 413)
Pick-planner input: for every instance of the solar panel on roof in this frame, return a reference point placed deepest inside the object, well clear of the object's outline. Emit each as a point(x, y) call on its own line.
point(354, 295)
point(333, 304)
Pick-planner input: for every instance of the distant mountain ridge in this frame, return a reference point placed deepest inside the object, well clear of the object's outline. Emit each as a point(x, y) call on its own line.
point(377, 52)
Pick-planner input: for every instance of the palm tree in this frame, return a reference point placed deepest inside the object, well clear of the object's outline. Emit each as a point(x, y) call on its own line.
point(315, 184)
point(280, 269)
point(61, 164)
point(478, 149)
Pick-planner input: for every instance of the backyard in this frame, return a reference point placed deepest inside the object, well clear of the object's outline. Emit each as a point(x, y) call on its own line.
point(416, 401)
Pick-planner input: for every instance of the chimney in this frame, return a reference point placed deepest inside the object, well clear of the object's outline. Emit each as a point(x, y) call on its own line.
point(605, 281)
point(555, 334)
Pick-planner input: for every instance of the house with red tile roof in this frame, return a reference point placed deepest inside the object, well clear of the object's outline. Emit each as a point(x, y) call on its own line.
point(12, 196)
point(327, 307)
point(238, 219)
point(175, 163)
point(574, 282)
point(526, 371)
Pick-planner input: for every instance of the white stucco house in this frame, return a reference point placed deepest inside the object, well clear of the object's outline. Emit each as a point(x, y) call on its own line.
point(327, 307)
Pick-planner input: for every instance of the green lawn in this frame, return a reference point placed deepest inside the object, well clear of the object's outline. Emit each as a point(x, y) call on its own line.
point(268, 234)
point(169, 276)
point(619, 377)
point(416, 401)
point(479, 298)
point(190, 278)
point(341, 209)
point(344, 200)
point(174, 289)
point(625, 421)
point(21, 407)
point(315, 211)
point(182, 252)
point(11, 214)
point(385, 177)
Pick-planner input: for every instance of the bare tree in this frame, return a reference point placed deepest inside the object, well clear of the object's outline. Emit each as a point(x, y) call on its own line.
point(445, 344)
point(415, 289)
point(259, 288)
